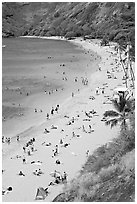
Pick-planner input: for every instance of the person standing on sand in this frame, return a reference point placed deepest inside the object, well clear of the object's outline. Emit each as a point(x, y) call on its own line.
point(103, 91)
point(18, 138)
point(35, 110)
point(3, 139)
point(83, 128)
point(97, 90)
point(61, 141)
point(24, 149)
point(64, 177)
point(56, 109)
point(56, 149)
point(52, 111)
point(87, 153)
point(47, 116)
point(24, 159)
point(28, 152)
point(9, 140)
point(99, 68)
point(73, 134)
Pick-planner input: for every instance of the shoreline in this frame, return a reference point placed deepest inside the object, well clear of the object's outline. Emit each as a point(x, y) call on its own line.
point(71, 107)
point(60, 101)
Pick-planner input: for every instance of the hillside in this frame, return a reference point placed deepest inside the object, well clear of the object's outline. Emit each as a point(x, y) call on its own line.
point(108, 174)
point(114, 20)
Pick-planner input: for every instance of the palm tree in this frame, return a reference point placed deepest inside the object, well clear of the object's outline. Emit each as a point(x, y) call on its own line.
point(124, 108)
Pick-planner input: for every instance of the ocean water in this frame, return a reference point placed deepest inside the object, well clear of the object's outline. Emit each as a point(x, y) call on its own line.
point(33, 67)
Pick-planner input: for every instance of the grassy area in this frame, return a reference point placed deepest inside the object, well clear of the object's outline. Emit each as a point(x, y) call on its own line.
point(109, 173)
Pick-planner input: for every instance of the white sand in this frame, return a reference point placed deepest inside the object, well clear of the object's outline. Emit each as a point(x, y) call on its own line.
point(74, 156)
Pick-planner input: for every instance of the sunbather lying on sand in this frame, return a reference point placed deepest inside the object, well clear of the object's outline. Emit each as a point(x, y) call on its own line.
point(55, 174)
point(66, 145)
point(38, 172)
point(46, 131)
point(92, 97)
point(16, 157)
point(9, 189)
point(74, 135)
point(89, 115)
point(59, 178)
point(89, 131)
point(58, 161)
point(71, 121)
point(36, 162)
point(54, 127)
point(21, 173)
point(65, 116)
point(46, 144)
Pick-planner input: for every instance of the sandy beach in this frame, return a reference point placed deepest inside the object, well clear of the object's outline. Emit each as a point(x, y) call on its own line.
point(75, 128)
point(47, 76)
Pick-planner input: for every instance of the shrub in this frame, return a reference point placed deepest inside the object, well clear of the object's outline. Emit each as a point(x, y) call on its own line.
point(70, 34)
point(127, 163)
point(108, 173)
point(57, 14)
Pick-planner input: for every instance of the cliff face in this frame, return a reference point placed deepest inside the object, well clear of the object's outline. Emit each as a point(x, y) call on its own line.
point(114, 20)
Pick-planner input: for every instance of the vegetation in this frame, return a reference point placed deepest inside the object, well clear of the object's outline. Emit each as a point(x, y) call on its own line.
point(110, 21)
point(123, 107)
point(109, 173)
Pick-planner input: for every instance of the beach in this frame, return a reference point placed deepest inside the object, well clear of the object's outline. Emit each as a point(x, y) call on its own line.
point(38, 80)
point(73, 130)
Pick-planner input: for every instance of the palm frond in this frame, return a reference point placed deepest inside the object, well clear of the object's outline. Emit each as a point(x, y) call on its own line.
point(113, 122)
point(111, 113)
point(116, 105)
point(123, 110)
point(124, 125)
point(108, 122)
